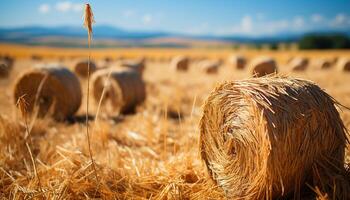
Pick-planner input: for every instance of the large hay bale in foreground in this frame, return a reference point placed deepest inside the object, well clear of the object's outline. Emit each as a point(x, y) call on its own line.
point(124, 90)
point(343, 64)
point(180, 63)
point(209, 66)
point(53, 90)
point(265, 138)
point(81, 68)
point(262, 66)
point(299, 64)
point(237, 61)
point(137, 65)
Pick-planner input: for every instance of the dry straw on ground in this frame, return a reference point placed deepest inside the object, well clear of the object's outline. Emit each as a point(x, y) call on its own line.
point(237, 61)
point(262, 66)
point(81, 68)
point(52, 89)
point(343, 64)
point(180, 63)
point(274, 137)
point(299, 64)
point(124, 89)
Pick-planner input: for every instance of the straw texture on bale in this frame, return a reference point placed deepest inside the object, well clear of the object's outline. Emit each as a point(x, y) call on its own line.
point(124, 90)
point(266, 138)
point(343, 64)
point(299, 64)
point(137, 65)
point(209, 66)
point(237, 61)
point(53, 90)
point(180, 63)
point(81, 68)
point(262, 66)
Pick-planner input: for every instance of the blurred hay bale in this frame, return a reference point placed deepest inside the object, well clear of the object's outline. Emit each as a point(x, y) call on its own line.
point(262, 66)
point(81, 68)
point(237, 61)
point(6, 65)
point(266, 138)
point(49, 90)
point(323, 64)
point(343, 64)
point(299, 64)
point(124, 89)
point(209, 66)
point(180, 63)
point(137, 65)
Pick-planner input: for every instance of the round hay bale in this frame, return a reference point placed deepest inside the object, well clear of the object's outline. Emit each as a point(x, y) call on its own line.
point(53, 89)
point(137, 65)
point(266, 138)
point(299, 64)
point(343, 64)
point(81, 68)
point(209, 66)
point(124, 90)
point(237, 61)
point(5, 68)
point(323, 64)
point(262, 66)
point(180, 63)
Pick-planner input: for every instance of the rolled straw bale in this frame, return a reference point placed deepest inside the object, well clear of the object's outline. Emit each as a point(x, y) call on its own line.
point(266, 138)
point(124, 90)
point(180, 63)
point(138, 65)
point(262, 66)
point(52, 89)
point(81, 68)
point(343, 64)
point(237, 61)
point(299, 64)
point(323, 64)
point(209, 66)
point(5, 68)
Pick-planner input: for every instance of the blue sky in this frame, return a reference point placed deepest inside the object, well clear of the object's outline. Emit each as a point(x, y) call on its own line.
point(216, 17)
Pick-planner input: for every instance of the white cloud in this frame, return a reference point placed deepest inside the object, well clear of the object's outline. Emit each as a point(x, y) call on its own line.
point(128, 13)
point(340, 20)
point(44, 8)
point(316, 18)
point(247, 24)
point(66, 6)
point(298, 22)
point(147, 19)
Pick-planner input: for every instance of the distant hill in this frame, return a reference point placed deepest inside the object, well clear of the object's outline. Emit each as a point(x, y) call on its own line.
point(108, 36)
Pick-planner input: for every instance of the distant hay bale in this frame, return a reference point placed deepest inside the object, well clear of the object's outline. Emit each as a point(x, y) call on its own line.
point(81, 68)
point(137, 65)
point(323, 64)
point(343, 64)
point(299, 64)
point(180, 63)
point(53, 90)
point(265, 138)
point(262, 66)
point(124, 90)
point(209, 66)
point(237, 61)
point(6, 65)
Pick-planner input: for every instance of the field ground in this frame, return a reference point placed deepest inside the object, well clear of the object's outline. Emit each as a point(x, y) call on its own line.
point(152, 154)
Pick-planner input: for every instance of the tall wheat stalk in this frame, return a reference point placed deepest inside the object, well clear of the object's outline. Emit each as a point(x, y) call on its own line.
point(88, 21)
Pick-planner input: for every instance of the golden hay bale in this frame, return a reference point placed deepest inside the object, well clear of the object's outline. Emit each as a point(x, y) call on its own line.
point(180, 63)
point(323, 64)
point(209, 66)
point(5, 68)
point(299, 64)
point(343, 64)
point(262, 66)
point(237, 61)
point(267, 137)
point(81, 68)
point(124, 90)
point(138, 65)
point(53, 89)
